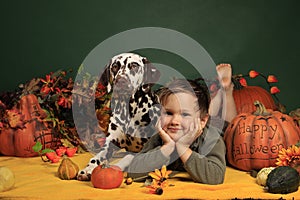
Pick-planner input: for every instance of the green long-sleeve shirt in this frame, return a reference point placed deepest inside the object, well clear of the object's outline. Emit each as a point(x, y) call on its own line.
point(205, 165)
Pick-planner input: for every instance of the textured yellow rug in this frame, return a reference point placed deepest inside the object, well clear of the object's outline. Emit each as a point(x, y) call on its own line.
point(38, 180)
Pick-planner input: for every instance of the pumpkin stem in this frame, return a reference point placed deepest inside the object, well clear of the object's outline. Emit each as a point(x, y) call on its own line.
point(105, 164)
point(260, 109)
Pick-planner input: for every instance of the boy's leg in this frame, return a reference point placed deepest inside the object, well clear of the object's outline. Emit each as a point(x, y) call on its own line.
point(216, 104)
point(224, 99)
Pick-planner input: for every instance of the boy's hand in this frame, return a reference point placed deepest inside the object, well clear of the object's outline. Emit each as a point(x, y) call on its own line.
point(194, 131)
point(183, 144)
point(162, 133)
point(169, 144)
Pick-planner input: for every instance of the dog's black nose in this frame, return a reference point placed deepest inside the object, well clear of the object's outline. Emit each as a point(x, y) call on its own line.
point(121, 81)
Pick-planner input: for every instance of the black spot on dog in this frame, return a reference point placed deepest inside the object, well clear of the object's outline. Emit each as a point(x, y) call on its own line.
point(128, 142)
point(93, 161)
point(135, 111)
point(125, 61)
point(146, 118)
point(113, 126)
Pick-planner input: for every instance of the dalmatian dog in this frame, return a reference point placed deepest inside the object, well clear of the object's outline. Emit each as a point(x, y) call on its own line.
point(135, 107)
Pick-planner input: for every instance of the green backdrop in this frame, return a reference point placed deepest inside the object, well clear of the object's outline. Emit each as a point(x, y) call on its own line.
point(38, 37)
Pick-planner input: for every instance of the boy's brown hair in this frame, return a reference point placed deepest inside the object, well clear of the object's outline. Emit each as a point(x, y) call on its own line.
point(193, 87)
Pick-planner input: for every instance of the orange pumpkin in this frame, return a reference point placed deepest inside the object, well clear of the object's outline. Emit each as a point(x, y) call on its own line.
point(107, 177)
point(18, 141)
point(253, 140)
point(244, 96)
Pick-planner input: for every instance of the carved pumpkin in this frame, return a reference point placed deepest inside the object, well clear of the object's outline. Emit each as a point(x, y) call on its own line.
point(19, 140)
point(107, 177)
point(253, 140)
point(244, 96)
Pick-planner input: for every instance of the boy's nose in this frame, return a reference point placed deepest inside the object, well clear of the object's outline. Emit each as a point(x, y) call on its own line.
point(176, 119)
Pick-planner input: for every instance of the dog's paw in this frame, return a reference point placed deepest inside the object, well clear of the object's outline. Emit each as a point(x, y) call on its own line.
point(86, 173)
point(83, 176)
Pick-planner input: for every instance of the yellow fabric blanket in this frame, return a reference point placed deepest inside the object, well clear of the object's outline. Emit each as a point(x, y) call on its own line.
point(38, 180)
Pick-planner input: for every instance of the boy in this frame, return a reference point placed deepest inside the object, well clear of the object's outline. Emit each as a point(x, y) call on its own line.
point(184, 141)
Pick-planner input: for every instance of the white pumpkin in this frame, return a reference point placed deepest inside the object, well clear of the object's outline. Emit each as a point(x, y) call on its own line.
point(262, 175)
point(7, 179)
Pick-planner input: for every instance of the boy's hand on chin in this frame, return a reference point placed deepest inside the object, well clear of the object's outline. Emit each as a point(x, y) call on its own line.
point(163, 135)
point(169, 145)
point(194, 131)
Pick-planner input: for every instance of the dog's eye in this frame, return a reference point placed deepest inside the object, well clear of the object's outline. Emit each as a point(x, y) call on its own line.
point(133, 65)
point(115, 67)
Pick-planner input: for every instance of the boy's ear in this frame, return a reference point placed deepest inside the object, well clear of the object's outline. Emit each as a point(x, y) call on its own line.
point(203, 120)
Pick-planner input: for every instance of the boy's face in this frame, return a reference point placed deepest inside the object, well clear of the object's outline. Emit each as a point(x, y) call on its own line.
point(178, 112)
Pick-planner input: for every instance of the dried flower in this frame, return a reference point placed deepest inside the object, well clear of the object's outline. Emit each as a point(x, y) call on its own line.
point(48, 85)
point(274, 90)
point(15, 118)
point(253, 73)
point(272, 79)
point(160, 175)
point(159, 180)
point(289, 157)
point(239, 81)
point(243, 82)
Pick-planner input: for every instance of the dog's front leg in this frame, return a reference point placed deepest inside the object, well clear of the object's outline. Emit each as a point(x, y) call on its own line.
point(99, 159)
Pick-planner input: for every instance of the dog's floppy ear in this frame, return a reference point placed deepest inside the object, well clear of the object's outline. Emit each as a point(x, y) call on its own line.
point(105, 78)
point(151, 75)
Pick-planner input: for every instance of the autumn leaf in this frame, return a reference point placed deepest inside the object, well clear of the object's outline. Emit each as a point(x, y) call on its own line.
point(15, 118)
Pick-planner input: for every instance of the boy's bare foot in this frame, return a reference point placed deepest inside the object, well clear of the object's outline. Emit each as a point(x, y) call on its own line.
point(224, 74)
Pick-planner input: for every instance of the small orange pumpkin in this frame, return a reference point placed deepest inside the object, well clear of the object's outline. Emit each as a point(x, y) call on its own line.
point(253, 140)
point(104, 177)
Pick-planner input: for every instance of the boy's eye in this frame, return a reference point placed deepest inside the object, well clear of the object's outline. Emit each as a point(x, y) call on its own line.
point(169, 113)
point(186, 114)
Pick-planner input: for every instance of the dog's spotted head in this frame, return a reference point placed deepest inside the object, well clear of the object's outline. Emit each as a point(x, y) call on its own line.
point(126, 72)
